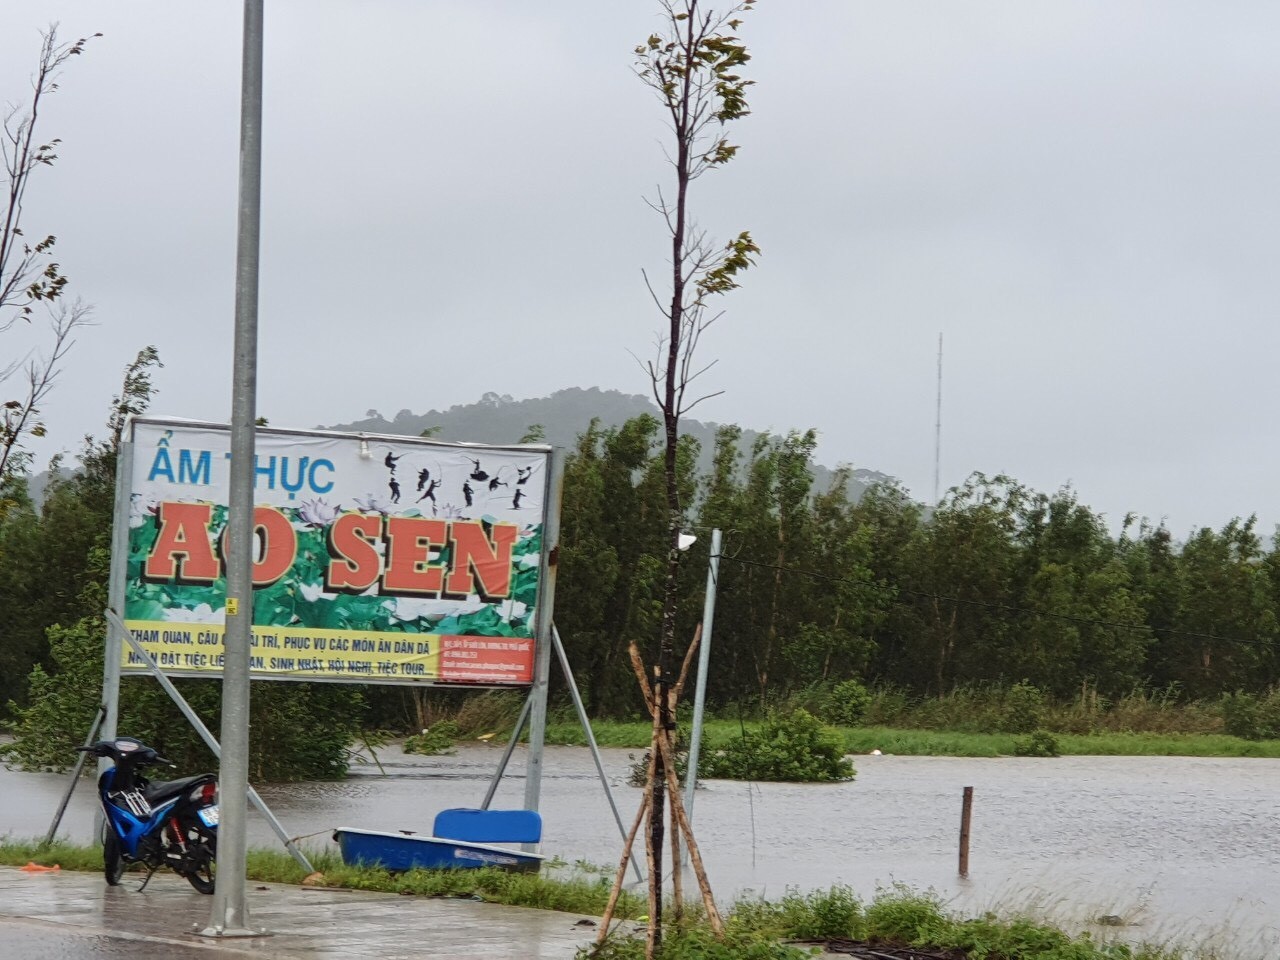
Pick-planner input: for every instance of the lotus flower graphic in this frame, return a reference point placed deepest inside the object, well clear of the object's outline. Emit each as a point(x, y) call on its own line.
point(317, 513)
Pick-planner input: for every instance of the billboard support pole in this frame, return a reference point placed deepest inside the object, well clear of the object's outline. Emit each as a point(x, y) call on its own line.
point(506, 754)
point(112, 652)
point(542, 654)
point(591, 742)
point(75, 779)
point(207, 736)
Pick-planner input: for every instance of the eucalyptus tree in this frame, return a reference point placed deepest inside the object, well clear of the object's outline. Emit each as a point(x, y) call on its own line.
point(967, 565)
point(1225, 617)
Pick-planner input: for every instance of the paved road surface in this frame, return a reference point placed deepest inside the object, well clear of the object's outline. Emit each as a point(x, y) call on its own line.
point(69, 916)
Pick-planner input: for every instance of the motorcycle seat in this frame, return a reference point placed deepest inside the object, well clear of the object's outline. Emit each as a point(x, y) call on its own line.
point(161, 790)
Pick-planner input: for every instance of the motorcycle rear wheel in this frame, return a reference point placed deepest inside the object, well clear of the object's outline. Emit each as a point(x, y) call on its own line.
point(202, 877)
point(112, 861)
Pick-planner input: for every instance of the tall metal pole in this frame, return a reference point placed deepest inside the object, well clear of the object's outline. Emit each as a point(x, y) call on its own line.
point(937, 434)
point(704, 658)
point(230, 916)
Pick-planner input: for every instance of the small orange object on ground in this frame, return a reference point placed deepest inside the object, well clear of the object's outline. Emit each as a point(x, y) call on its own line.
point(33, 867)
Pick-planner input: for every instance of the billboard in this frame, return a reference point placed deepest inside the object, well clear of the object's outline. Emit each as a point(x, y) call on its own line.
point(377, 559)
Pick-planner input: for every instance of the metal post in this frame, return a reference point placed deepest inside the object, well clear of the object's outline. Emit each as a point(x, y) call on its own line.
point(229, 916)
point(112, 652)
point(75, 778)
point(542, 653)
point(591, 742)
point(506, 754)
point(704, 657)
point(198, 725)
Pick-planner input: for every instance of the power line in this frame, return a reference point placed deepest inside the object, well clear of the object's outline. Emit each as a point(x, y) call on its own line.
point(1268, 642)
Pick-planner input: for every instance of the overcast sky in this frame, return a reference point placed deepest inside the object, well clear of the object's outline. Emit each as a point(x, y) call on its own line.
point(1080, 196)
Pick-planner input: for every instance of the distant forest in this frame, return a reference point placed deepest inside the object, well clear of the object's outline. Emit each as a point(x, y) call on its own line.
point(826, 575)
point(835, 573)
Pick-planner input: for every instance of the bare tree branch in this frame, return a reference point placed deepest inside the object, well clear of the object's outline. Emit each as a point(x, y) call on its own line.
point(19, 417)
point(28, 272)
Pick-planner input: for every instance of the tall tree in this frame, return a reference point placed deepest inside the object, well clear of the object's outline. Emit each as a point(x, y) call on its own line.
point(692, 65)
point(29, 275)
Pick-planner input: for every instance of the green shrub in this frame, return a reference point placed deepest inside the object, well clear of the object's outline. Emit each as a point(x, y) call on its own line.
point(437, 739)
point(904, 916)
point(1252, 717)
point(794, 748)
point(1240, 715)
point(834, 914)
point(1042, 743)
point(847, 703)
point(889, 707)
point(1023, 708)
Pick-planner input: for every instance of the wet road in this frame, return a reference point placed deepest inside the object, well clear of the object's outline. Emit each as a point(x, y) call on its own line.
point(45, 941)
point(68, 916)
point(1178, 848)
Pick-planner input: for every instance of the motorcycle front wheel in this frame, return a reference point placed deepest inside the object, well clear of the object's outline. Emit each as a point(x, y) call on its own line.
point(112, 861)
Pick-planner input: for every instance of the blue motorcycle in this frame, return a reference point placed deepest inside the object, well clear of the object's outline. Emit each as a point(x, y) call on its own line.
point(166, 823)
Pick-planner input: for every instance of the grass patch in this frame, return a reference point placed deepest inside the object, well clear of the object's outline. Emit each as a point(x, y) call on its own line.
point(948, 743)
point(69, 856)
point(574, 892)
point(756, 929)
point(790, 928)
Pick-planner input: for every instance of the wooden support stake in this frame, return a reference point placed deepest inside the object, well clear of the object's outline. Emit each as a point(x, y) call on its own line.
point(966, 811)
point(662, 746)
point(688, 661)
point(638, 666)
point(616, 892)
point(695, 855)
point(651, 853)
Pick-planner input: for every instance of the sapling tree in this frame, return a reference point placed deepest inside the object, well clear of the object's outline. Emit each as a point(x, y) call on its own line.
point(29, 275)
point(693, 64)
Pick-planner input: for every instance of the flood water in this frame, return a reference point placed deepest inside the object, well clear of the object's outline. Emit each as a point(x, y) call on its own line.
point(1180, 849)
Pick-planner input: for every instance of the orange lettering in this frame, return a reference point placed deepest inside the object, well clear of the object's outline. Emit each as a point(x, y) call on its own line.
point(409, 543)
point(183, 550)
point(355, 564)
point(490, 560)
point(280, 545)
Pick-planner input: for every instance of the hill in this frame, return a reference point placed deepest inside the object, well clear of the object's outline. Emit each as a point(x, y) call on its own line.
point(563, 416)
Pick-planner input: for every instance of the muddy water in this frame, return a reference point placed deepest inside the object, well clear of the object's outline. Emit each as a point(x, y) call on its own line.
point(1176, 848)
